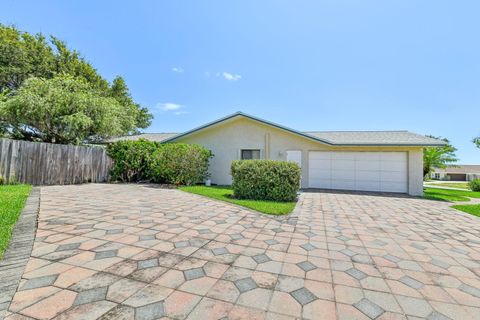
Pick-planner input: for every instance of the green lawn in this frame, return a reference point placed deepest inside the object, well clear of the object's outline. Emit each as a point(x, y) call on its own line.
point(12, 200)
point(449, 195)
point(225, 194)
point(460, 185)
point(473, 209)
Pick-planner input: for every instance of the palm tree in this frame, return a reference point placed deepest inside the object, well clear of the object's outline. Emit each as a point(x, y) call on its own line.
point(438, 157)
point(477, 141)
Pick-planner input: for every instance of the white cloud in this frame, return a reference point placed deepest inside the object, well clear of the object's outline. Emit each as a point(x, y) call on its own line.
point(168, 106)
point(231, 76)
point(179, 113)
point(178, 69)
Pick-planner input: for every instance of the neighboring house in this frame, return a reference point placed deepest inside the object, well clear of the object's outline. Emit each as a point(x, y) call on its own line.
point(457, 173)
point(385, 161)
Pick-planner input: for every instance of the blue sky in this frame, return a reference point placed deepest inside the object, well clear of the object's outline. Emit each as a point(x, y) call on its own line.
point(309, 65)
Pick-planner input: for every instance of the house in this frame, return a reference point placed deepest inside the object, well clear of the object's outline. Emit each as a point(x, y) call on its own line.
point(457, 173)
point(384, 161)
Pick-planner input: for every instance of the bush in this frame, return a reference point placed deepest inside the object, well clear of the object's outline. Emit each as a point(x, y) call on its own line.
point(180, 163)
point(131, 160)
point(265, 180)
point(144, 160)
point(474, 185)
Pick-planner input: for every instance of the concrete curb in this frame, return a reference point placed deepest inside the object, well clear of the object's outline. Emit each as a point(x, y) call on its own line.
point(19, 250)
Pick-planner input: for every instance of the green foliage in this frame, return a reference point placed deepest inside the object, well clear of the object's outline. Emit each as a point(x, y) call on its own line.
point(474, 185)
point(65, 110)
point(131, 160)
point(473, 209)
point(477, 141)
point(143, 160)
point(265, 180)
point(438, 157)
point(224, 193)
point(449, 194)
point(12, 201)
point(23, 56)
point(180, 163)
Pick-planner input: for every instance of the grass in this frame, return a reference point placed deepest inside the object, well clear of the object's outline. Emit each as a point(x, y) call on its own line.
point(461, 185)
point(449, 195)
point(224, 193)
point(473, 209)
point(12, 200)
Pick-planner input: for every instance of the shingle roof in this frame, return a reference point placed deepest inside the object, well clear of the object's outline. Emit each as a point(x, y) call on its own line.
point(147, 136)
point(466, 168)
point(340, 138)
point(374, 138)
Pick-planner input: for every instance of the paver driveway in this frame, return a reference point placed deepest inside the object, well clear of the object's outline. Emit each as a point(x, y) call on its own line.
point(138, 252)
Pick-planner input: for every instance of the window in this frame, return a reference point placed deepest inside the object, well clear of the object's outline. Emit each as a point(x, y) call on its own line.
point(437, 176)
point(248, 154)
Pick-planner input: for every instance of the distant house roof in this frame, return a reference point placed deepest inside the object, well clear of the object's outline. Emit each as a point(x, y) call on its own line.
point(466, 168)
point(147, 136)
point(334, 138)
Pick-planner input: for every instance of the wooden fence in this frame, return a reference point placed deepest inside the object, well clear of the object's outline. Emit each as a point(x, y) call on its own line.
point(46, 164)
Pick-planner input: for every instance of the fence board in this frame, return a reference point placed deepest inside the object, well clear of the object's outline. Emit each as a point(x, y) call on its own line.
point(45, 164)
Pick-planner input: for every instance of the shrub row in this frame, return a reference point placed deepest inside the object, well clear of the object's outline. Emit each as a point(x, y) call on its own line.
point(265, 180)
point(474, 185)
point(142, 161)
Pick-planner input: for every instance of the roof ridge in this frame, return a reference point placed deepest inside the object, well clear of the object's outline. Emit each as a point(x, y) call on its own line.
point(360, 131)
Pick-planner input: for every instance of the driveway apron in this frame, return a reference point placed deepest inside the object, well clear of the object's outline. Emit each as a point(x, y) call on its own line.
point(118, 251)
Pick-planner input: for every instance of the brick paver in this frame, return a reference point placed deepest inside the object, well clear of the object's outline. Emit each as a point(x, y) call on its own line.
point(140, 252)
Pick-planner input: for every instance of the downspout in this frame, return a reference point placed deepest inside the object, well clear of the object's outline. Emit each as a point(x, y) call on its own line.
point(267, 146)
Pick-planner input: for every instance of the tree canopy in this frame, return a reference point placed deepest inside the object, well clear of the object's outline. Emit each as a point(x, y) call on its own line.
point(477, 141)
point(28, 61)
point(438, 157)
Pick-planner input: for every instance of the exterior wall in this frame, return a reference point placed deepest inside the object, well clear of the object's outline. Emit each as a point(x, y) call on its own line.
point(226, 140)
point(415, 172)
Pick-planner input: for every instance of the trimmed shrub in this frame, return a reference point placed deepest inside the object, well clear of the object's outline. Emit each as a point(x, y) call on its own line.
point(180, 163)
point(131, 160)
point(474, 185)
point(265, 180)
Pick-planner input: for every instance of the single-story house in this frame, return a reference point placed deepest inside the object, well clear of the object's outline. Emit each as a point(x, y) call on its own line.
point(383, 161)
point(464, 172)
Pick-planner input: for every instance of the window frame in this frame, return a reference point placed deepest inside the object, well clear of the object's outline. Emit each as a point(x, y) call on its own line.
point(252, 151)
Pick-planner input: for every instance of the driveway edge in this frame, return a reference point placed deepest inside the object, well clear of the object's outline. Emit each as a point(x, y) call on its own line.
point(19, 250)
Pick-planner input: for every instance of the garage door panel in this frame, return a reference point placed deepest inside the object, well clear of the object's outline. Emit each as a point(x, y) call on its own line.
point(321, 183)
point(366, 171)
point(320, 164)
point(367, 185)
point(367, 175)
point(321, 174)
point(393, 176)
point(343, 156)
point(367, 156)
point(393, 156)
point(343, 174)
point(393, 166)
point(343, 184)
point(343, 164)
point(393, 187)
point(368, 165)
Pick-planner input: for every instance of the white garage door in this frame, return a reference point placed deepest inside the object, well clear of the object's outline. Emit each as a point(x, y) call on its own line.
point(366, 171)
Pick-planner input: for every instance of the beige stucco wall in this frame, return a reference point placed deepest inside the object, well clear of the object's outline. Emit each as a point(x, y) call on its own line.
point(226, 140)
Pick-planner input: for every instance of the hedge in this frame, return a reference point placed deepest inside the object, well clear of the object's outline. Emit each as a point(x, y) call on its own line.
point(148, 161)
point(474, 185)
point(131, 160)
point(180, 163)
point(265, 180)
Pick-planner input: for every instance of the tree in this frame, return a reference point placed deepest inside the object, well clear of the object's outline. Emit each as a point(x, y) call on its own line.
point(438, 157)
point(23, 55)
point(65, 110)
point(477, 141)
